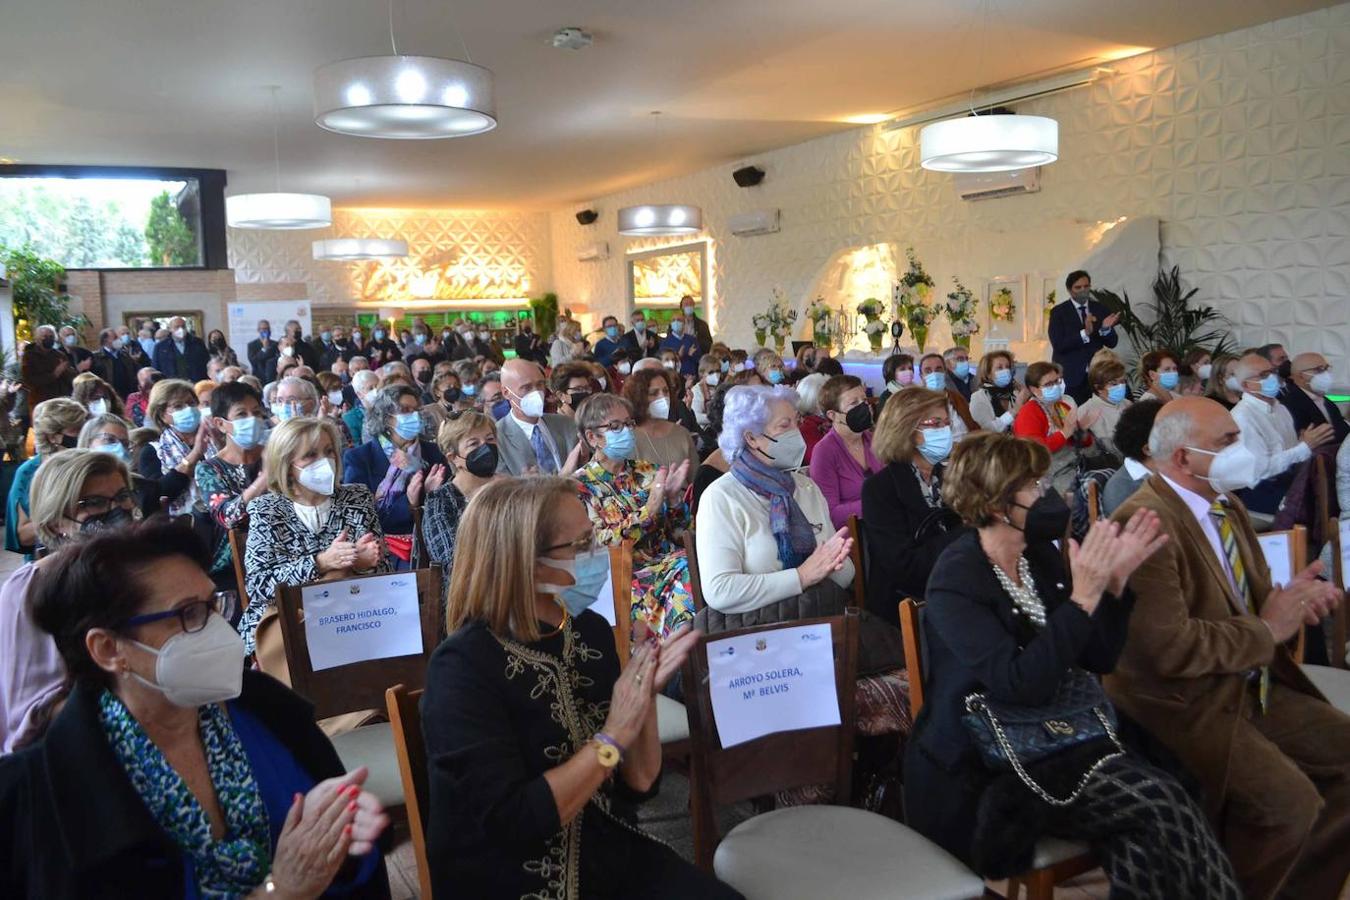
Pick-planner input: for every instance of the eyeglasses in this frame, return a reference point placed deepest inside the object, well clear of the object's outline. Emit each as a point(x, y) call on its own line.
point(97, 506)
point(1316, 370)
point(935, 423)
point(192, 616)
point(617, 425)
point(1050, 384)
point(580, 545)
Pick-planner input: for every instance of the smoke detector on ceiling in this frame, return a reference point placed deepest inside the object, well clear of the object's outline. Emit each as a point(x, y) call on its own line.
point(572, 39)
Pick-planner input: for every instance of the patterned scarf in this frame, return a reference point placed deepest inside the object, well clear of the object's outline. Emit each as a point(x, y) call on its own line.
point(791, 529)
point(238, 862)
point(396, 479)
point(1001, 398)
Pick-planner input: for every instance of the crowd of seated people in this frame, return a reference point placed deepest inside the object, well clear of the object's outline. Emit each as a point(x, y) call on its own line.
point(1229, 775)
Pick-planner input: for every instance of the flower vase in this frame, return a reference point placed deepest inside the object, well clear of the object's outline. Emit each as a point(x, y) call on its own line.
point(920, 333)
point(875, 341)
point(962, 341)
point(761, 337)
point(821, 339)
point(779, 340)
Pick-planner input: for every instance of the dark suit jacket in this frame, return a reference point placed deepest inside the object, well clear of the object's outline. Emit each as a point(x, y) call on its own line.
point(261, 359)
point(898, 565)
point(116, 368)
point(647, 346)
point(977, 642)
point(703, 334)
point(73, 826)
point(530, 346)
point(366, 464)
point(1305, 412)
point(38, 371)
point(190, 364)
point(1069, 349)
point(1183, 672)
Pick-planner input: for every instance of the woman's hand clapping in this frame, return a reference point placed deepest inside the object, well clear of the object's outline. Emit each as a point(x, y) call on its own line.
point(334, 819)
point(828, 558)
point(1092, 563)
point(1141, 537)
point(633, 694)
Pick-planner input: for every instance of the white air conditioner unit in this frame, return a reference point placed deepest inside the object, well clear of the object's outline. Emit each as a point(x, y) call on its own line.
point(760, 221)
point(593, 252)
point(988, 185)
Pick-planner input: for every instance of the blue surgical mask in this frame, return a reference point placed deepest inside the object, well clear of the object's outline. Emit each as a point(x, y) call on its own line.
point(469, 390)
point(1115, 393)
point(612, 331)
point(1169, 379)
point(677, 326)
point(775, 376)
point(937, 443)
point(1003, 378)
point(287, 411)
point(420, 339)
point(1270, 386)
point(726, 366)
point(1053, 393)
point(501, 409)
point(620, 444)
point(935, 381)
point(187, 419)
point(326, 337)
point(962, 369)
point(379, 334)
point(118, 450)
point(265, 334)
point(589, 571)
point(247, 433)
point(408, 425)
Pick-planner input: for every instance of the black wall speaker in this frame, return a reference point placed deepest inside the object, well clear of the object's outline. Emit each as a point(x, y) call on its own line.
point(587, 216)
point(748, 176)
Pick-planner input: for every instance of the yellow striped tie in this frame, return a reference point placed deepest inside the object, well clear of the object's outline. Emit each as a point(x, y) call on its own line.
point(1219, 510)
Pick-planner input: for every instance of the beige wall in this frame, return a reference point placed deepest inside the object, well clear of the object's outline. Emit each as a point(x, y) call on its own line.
point(103, 296)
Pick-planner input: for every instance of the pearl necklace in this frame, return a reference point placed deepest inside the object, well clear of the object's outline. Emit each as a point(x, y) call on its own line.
point(1024, 596)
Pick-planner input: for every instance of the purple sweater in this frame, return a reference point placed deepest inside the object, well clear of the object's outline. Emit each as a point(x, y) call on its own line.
point(839, 477)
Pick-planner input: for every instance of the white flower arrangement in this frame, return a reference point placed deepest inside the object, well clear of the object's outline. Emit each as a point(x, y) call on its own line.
point(876, 326)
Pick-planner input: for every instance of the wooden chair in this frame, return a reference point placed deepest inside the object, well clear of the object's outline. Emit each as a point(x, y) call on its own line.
point(405, 721)
point(361, 686)
point(1292, 547)
point(238, 538)
point(1055, 860)
point(859, 557)
point(420, 559)
point(1337, 630)
point(1094, 506)
point(810, 851)
point(695, 583)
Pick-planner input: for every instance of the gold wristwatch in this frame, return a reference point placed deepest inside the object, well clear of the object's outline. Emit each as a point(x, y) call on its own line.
point(607, 750)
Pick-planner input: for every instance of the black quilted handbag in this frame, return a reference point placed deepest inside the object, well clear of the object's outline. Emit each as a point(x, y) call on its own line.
point(1013, 736)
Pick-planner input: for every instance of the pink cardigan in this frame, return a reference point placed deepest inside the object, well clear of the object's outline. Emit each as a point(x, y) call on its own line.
point(839, 477)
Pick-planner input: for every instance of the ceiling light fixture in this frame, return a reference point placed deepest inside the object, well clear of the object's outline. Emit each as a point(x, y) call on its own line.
point(405, 97)
point(660, 219)
point(352, 249)
point(277, 210)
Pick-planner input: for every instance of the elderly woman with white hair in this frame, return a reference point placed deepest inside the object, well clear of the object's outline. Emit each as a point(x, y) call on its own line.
point(814, 424)
point(56, 427)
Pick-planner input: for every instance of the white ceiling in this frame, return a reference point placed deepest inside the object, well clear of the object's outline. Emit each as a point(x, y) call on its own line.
point(183, 83)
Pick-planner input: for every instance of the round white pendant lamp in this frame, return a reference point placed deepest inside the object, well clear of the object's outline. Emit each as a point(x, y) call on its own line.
point(404, 97)
point(350, 249)
point(989, 143)
point(660, 219)
point(278, 211)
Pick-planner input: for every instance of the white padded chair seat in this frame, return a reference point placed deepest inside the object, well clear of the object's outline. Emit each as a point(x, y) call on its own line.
point(1333, 683)
point(672, 720)
point(1053, 850)
point(373, 746)
point(815, 852)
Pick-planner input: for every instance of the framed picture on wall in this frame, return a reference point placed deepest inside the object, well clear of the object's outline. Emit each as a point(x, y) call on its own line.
point(657, 279)
point(1004, 302)
point(1045, 292)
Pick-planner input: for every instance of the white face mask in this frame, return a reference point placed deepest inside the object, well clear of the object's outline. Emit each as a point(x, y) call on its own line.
point(335, 398)
point(318, 477)
point(484, 336)
point(532, 404)
point(201, 667)
point(712, 378)
point(98, 407)
point(287, 351)
point(1204, 371)
point(624, 367)
point(1320, 383)
point(659, 408)
point(1232, 469)
point(1233, 384)
point(179, 334)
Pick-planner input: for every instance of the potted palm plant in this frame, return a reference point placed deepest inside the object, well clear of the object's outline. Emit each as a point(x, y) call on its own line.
point(1174, 325)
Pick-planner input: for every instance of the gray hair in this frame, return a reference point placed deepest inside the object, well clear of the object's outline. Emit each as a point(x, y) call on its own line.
point(306, 387)
point(364, 381)
point(1170, 433)
point(746, 411)
point(647, 362)
point(808, 393)
point(37, 332)
point(596, 410)
point(95, 425)
point(381, 406)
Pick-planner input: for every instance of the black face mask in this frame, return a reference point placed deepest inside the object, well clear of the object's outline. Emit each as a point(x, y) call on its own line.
point(450, 396)
point(49, 342)
point(68, 442)
point(113, 518)
point(859, 418)
point(424, 377)
point(1285, 369)
point(482, 461)
point(575, 398)
point(1047, 519)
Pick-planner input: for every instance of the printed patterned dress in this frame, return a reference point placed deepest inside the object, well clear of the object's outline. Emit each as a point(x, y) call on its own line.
point(222, 484)
point(617, 506)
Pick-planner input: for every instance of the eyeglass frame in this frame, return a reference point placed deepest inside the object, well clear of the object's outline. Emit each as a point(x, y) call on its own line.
point(221, 602)
point(121, 498)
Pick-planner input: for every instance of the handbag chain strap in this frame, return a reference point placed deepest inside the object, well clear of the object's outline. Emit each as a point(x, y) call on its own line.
point(975, 703)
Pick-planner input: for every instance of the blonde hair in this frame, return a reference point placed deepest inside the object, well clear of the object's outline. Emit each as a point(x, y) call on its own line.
point(51, 418)
point(203, 388)
point(452, 431)
point(162, 394)
point(504, 531)
point(986, 470)
point(59, 482)
point(893, 439)
point(292, 438)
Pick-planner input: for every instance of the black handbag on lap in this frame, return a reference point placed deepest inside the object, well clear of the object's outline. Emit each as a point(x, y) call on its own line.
point(1011, 736)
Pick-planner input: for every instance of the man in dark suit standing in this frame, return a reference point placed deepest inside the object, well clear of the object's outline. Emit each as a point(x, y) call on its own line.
point(528, 344)
point(262, 349)
point(1079, 327)
point(700, 330)
point(641, 341)
point(182, 354)
point(113, 364)
point(1305, 396)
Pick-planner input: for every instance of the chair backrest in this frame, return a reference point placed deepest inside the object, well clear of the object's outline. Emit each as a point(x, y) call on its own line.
point(1093, 503)
point(1339, 574)
point(621, 580)
point(721, 776)
point(238, 541)
point(695, 584)
point(420, 559)
point(405, 720)
point(911, 630)
point(858, 555)
point(1286, 554)
point(361, 685)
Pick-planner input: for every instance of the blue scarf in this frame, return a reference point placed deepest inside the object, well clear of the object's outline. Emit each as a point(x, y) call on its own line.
point(395, 480)
point(792, 531)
